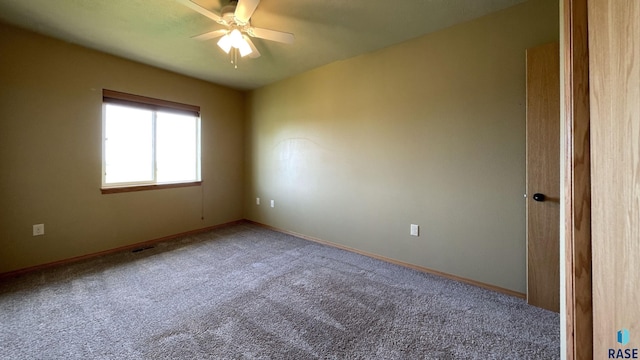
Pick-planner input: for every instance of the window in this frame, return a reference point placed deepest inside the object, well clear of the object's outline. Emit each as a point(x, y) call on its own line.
point(148, 143)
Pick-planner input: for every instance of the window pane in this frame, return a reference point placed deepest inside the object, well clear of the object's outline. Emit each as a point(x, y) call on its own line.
point(176, 147)
point(128, 144)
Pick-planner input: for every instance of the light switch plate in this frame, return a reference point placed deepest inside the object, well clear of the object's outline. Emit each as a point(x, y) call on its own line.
point(415, 230)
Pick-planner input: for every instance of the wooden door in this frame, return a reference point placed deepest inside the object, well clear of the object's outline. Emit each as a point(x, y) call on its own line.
point(543, 176)
point(614, 69)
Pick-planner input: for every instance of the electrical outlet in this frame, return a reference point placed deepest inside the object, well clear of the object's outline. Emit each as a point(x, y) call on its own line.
point(38, 229)
point(257, 201)
point(415, 230)
point(273, 203)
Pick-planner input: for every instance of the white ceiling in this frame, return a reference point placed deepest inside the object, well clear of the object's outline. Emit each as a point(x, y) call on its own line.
point(157, 32)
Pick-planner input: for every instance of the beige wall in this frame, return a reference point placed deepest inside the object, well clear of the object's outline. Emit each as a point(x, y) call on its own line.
point(50, 153)
point(430, 132)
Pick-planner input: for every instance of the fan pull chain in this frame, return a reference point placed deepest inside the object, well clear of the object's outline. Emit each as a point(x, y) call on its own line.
point(234, 57)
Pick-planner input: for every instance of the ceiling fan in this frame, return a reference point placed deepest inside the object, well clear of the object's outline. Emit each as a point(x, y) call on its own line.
point(235, 38)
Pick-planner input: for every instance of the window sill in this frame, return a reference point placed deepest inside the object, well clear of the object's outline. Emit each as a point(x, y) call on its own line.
point(123, 189)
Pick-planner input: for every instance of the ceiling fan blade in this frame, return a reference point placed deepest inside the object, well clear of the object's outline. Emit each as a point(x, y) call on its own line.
point(272, 35)
point(211, 34)
point(245, 9)
point(211, 15)
point(254, 51)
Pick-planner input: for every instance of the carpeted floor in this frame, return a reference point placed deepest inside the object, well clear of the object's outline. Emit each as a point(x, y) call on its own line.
point(244, 292)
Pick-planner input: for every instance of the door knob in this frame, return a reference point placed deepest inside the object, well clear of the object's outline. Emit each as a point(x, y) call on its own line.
point(538, 197)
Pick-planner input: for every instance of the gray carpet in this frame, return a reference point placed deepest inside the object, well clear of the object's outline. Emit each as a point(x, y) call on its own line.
point(243, 292)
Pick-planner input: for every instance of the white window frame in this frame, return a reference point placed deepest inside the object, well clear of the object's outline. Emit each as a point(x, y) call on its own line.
point(155, 105)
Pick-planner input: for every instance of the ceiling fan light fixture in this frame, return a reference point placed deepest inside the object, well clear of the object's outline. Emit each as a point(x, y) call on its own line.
point(236, 38)
point(244, 48)
point(225, 43)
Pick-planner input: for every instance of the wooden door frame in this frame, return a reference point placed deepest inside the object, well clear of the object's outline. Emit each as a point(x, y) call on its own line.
point(577, 181)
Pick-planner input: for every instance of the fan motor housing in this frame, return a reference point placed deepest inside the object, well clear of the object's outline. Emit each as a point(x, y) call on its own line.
point(227, 12)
